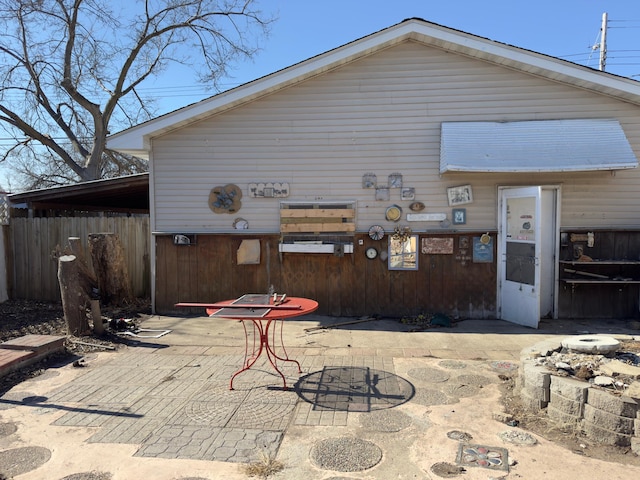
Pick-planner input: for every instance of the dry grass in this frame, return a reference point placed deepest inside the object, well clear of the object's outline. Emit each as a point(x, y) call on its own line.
point(264, 467)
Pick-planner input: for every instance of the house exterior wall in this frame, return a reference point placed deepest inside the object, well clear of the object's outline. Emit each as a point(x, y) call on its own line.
point(381, 114)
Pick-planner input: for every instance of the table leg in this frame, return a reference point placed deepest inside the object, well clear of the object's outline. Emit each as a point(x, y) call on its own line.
point(250, 358)
point(271, 352)
point(252, 353)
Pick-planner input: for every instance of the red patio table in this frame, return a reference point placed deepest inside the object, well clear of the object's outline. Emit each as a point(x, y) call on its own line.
point(264, 315)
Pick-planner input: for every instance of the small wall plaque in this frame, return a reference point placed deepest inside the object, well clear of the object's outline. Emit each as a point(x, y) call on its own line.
point(395, 180)
point(269, 190)
point(369, 180)
point(482, 252)
point(382, 193)
point(407, 193)
point(459, 216)
point(426, 217)
point(437, 246)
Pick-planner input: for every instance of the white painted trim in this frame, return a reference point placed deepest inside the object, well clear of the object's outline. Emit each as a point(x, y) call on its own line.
point(312, 248)
point(152, 227)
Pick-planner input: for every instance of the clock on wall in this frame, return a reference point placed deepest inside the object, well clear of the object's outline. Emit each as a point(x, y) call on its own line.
point(371, 253)
point(376, 232)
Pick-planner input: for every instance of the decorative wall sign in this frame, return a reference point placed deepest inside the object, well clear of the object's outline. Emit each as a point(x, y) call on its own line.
point(483, 252)
point(407, 193)
point(225, 199)
point(459, 216)
point(369, 180)
point(395, 180)
point(382, 193)
point(437, 245)
point(417, 206)
point(426, 217)
point(393, 213)
point(401, 233)
point(464, 253)
point(269, 190)
point(459, 195)
point(240, 224)
point(376, 232)
point(249, 252)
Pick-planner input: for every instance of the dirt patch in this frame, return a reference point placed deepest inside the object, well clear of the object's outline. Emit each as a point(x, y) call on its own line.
point(23, 317)
point(542, 426)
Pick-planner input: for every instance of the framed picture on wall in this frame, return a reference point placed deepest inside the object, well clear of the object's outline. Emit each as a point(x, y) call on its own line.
point(459, 216)
point(408, 193)
point(459, 195)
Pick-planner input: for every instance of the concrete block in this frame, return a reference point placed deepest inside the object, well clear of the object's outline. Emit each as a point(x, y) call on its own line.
point(635, 446)
point(634, 390)
point(604, 436)
point(535, 376)
point(616, 367)
point(621, 406)
point(502, 417)
point(539, 393)
point(636, 427)
point(569, 388)
point(563, 418)
point(531, 403)
point(565, 405)
point(609, 421)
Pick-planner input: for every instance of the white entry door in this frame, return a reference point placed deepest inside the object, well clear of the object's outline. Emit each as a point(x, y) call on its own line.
point(519, 260)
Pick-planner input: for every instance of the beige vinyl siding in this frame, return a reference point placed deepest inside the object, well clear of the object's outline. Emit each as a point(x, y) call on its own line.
point(381, 114)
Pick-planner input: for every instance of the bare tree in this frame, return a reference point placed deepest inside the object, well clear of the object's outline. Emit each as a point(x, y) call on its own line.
point(70, 70)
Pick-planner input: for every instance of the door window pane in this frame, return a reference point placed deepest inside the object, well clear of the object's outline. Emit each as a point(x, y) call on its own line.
point(521, 262)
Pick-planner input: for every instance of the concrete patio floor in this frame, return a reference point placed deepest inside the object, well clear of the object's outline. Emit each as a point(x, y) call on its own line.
point(373, 401)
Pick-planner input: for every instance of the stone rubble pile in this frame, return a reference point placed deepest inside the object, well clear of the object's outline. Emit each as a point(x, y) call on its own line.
point(595, 393)
point(588, 367)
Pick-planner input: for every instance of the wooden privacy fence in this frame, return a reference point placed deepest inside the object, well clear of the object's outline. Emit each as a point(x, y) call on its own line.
point(32, 264)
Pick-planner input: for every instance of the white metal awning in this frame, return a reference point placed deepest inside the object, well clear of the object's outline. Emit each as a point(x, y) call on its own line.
point(535, 146)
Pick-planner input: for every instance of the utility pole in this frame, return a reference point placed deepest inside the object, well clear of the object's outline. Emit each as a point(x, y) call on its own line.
point(603, 43)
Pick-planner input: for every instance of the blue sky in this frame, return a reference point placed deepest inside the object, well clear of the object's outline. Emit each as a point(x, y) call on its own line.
point(305, 28)
point(563, 28)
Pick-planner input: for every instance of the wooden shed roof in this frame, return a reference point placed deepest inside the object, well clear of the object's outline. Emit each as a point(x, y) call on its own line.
point(122, 194)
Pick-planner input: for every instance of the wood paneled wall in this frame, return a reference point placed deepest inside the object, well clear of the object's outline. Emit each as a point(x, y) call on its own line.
point(349, 285)
point(601, 299)
point(33, 268)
